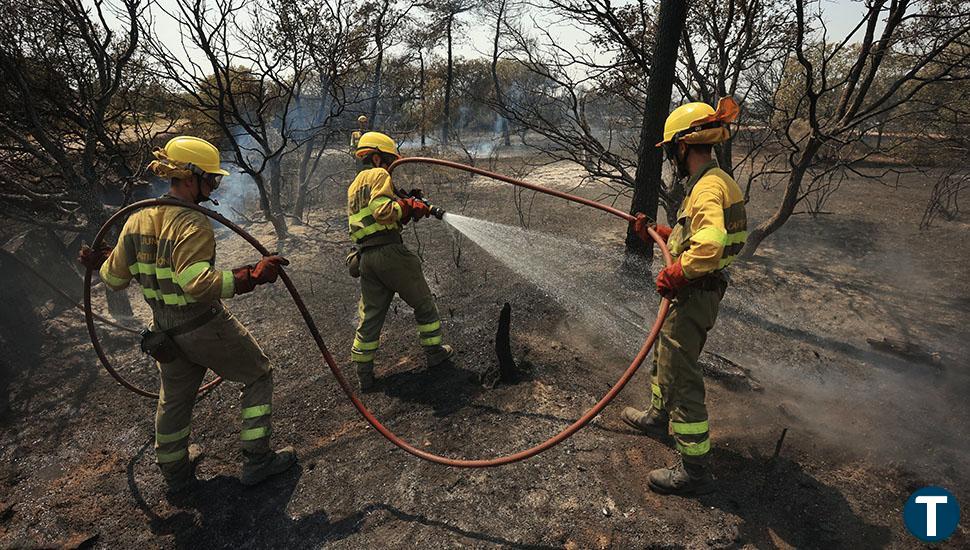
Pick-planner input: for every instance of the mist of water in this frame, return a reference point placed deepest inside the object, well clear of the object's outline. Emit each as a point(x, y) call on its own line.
point(582, 278)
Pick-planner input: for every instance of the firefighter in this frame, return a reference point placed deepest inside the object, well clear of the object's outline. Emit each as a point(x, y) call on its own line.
point(170, 251)
point(375, 217)
point(361, 130)
point(710, 231)
point(355, 137)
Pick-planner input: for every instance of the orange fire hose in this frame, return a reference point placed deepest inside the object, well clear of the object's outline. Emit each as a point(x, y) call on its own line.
point(315, 333)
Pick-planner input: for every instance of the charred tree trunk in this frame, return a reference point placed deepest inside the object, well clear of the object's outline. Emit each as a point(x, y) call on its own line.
point(378, 66)
point(299, 205)
point(449, 77)
point(308, 168)
point(424, 101)
point(506, 134)
point(376, 86)
point(265, 204)
point(275, 198)
point(508, 372)
point(646, 191)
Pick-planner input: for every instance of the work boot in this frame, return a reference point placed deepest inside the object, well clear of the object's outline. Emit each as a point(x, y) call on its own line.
point(685, 478)
point(365, 376)
point(437, 355)
point(186, 479)
point(653, 422)
point(271, 463)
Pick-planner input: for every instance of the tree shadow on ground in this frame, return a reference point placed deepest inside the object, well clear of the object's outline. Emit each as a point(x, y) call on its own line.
point(446, 389)
point(400, 515)
point(783, 506)
point(558, 421)
point(223, 513)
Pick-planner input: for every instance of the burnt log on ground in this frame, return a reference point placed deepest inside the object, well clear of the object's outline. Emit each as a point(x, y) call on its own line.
point(907, 350)
point(733, 376)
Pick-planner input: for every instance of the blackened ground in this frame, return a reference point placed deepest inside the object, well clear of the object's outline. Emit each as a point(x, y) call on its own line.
point(865, 428)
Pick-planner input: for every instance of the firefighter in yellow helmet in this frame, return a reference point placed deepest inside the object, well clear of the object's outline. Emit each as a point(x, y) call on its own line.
point(355, 135)
point(170, 251)
point(710, 231)
point(376, 214)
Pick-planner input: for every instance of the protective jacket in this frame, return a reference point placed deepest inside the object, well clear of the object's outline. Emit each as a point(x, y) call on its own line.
point(711, 224)
point(171, 251)
point(373, 213)
point(387, 268)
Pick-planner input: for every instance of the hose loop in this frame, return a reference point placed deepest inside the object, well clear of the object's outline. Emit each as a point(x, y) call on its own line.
point(315, 333)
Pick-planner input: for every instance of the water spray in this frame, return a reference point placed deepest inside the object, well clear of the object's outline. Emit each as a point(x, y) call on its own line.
point(318, 339)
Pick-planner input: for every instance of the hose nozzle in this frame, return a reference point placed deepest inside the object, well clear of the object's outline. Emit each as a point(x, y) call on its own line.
point(437, 211)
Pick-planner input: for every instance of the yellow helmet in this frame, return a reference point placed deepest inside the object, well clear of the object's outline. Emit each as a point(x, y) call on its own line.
point(376, 141)
point(185, 155)
point(362, 119)
point(698, 122)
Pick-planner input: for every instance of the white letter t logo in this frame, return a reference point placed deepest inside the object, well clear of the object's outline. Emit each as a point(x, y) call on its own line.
point(931, 503)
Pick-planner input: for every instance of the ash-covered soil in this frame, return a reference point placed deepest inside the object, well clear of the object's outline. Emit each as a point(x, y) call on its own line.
point(865, 427)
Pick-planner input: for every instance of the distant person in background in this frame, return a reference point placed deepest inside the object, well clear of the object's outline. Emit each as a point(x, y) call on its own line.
point(711, 229)
point(375, 215)
point(170, 250)
point(355, 137)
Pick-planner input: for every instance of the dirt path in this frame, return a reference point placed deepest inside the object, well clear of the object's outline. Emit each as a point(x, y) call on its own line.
point(865, 428)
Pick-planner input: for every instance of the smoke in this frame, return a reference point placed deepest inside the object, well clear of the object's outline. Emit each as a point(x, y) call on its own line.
point(237, 195)
point(802, 333)
point(805, 347)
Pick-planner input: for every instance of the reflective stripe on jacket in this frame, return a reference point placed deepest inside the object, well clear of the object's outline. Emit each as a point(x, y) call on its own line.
point(711, 225)
point(372, 205)
point(170, 251)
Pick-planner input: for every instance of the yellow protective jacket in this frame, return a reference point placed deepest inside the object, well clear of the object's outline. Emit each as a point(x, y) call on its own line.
point(372, 207)
point(170, 250)
point(711, 224)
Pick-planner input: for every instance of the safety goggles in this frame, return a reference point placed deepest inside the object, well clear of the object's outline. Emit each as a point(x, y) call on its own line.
point(214, 180)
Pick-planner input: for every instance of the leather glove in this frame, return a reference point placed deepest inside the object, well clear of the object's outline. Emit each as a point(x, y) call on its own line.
point(413, 209)
point(91, 258)
point(671, 279)
point(249, 277)
point(640, 225)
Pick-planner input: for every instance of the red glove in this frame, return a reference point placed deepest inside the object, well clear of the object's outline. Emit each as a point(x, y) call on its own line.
point(267, 270)
point(640, 225)
point(671, 279)
point(413, 209)
point(92, 259)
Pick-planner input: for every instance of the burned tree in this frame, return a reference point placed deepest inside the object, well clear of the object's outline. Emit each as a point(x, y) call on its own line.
point(76, 116)
point(647, 182)
point(382, 17)
point(78, 112)
point(643, 44)
point(447, 12)
point(246, 91)
point(334, 35)
point(834, 95)
point(729, 48)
